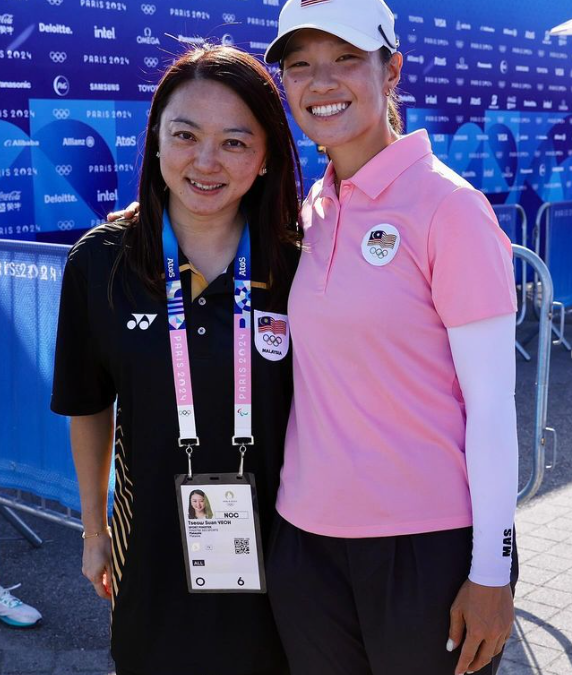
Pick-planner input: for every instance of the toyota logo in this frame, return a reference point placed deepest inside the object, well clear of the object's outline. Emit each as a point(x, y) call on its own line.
point(61, 113)
point(151, 61)
point(58, 57)
point(148, 9)
point(229, 18)
point(66, 224)
point(63, 169)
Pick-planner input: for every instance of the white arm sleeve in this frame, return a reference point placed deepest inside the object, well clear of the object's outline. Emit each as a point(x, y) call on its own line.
point(484, 357)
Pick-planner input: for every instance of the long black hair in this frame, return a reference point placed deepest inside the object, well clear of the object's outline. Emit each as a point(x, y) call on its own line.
point(272, 204)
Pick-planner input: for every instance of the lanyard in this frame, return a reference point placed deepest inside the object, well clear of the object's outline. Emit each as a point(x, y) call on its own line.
point(188, 437)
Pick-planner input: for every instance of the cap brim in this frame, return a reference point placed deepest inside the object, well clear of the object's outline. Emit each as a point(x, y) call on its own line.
point(354, 37)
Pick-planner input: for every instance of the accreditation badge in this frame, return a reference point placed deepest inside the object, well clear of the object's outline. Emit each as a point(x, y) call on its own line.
point(220, 530)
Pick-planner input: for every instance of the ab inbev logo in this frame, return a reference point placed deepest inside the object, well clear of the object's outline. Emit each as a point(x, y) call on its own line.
point(142, 321)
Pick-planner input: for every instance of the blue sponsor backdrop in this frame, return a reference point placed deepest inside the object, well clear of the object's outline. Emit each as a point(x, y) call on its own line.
point(76, 77)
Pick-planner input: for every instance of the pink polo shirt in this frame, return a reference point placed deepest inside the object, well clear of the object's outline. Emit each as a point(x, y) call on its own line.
point(375, 441)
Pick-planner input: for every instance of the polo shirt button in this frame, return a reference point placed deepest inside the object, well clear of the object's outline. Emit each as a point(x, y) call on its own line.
point(202, 301)
point(202, 330)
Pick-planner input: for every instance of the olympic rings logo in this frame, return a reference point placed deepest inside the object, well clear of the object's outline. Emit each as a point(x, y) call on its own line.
point(55, 3)
point(151, 61)
point(66, 224)
point(63, 169)
point(61, 113)
point(229, 18)
point(58, 57)
point(148, 9)
point(273, 340)
point(379, 252)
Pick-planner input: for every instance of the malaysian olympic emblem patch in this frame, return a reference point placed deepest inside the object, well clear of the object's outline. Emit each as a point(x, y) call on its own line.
point(271, 335)
point(380, 244)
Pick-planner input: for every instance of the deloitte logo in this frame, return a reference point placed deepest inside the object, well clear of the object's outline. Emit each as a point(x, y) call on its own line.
point(61, 85)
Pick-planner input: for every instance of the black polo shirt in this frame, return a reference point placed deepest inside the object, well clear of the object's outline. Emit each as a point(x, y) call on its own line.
point(122, 351)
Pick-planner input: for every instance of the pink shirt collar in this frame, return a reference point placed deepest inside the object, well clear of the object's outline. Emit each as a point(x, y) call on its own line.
point(378, 174)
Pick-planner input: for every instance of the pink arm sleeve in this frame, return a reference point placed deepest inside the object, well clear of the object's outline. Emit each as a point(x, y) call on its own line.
point(484, 358)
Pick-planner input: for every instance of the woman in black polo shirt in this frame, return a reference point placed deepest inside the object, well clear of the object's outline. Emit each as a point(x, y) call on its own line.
point(218, 155)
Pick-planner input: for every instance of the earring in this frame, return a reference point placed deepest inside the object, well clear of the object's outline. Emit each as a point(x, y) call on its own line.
point(157, 154)
point(387, 92)
point(263, 171)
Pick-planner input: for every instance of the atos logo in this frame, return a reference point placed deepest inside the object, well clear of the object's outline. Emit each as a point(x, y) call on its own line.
point(151, 61)
point(66, 224)
point(147, 9)
point(58, 57)
point(61, 85)
point(61, 113)
point(63, 169)
point(125, 141)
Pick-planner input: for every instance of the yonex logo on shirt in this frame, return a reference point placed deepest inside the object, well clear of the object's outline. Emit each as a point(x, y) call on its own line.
point(142, 321)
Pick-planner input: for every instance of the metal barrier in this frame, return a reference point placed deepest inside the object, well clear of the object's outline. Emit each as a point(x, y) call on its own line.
point(508, 216)
point(542, 375)
point(554, 221)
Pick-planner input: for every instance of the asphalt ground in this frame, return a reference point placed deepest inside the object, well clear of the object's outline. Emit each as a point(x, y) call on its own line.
point(73, 636)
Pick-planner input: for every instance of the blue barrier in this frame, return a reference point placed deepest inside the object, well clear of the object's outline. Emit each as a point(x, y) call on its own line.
point(35, 452)
point(553, 242)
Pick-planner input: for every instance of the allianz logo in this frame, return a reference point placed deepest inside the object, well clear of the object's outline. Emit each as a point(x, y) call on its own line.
point(88, 141)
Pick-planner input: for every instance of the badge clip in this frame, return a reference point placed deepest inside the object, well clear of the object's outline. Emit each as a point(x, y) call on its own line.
point(189, 444)
point(242, 442)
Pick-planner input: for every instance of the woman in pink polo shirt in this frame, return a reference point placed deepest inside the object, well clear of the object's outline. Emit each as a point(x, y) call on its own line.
point(397, 497)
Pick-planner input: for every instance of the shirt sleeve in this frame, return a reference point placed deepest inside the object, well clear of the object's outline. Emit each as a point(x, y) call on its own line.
point(472, 276)
point(484, 357)
point(81, 385)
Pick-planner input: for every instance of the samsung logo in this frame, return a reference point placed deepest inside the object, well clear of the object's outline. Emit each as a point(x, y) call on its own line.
point(104, 86)
point(484, 66)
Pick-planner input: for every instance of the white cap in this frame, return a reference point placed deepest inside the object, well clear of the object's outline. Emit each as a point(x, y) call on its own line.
point(366, 24)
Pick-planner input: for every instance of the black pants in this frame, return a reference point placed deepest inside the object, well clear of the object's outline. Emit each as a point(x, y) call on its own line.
point(377, 606)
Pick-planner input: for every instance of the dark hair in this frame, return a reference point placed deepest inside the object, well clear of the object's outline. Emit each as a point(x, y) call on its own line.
point(272, 203)
point(395, 120)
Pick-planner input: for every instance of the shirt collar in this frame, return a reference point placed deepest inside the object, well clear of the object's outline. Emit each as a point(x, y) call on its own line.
point(380, 172)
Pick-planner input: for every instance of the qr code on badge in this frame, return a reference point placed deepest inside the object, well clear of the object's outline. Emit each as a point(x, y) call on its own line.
point(241, 546)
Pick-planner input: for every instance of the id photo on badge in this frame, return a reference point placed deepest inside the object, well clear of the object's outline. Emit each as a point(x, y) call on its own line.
point(222, 544)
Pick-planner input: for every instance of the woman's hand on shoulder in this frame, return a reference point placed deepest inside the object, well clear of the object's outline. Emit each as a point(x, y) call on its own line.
point(96, 565)
point(130, 213)
point(484, 616)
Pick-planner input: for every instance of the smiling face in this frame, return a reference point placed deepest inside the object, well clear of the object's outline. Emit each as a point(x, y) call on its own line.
point(212, 150)
point(198, 503)
point(336, 91)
